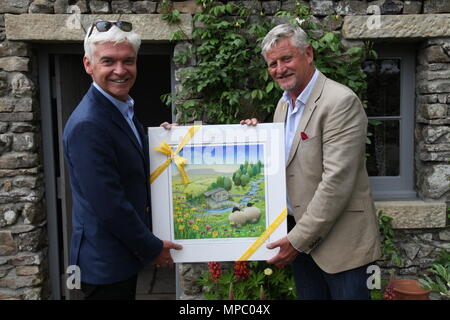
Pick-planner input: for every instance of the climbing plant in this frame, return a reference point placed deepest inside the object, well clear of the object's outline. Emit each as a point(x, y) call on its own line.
point(230, 80)
point(230, 73)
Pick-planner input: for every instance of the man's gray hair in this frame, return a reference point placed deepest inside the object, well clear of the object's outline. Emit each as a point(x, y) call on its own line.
point(115, 35)
point(284, 31)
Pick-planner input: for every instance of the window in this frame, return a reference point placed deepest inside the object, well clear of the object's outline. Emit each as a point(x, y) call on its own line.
point(391, 102)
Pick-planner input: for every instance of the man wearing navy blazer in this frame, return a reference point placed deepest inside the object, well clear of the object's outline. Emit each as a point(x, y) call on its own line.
point(106, 150)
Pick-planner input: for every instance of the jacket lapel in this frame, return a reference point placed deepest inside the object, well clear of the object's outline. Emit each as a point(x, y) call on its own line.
point(281, 111)
point(310, 106)
point(116, 117)
point(144, 139)
point(122, 124)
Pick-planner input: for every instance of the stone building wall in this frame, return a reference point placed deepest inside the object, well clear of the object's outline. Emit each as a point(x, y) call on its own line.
point(23, 218)
point(23, 234)
point(433, 119)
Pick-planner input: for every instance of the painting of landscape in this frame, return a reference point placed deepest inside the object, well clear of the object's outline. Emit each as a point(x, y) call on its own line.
point(225, 197)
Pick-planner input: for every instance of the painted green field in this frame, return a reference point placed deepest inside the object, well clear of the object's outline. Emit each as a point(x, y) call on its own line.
point(189, 223)
point(193, 219)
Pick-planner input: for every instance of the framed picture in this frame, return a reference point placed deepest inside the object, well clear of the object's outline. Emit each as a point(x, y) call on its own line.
point(236, 188)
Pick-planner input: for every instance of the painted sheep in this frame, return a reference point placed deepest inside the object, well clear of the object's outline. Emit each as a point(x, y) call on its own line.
point(252, 213)
point(249, 214)
point(237, 217)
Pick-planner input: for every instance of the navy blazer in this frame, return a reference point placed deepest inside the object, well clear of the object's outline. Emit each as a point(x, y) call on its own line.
point(109, 177)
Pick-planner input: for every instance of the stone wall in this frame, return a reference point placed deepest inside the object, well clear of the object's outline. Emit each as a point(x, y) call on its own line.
point(433, 119)
point(23, 235)
point(418, 250)
point(23, 222)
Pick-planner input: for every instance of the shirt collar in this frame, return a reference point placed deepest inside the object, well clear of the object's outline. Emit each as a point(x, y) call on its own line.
point(304, 96)
point(125, 108)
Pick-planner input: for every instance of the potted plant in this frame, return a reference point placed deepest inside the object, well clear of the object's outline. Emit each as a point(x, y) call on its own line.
point(404, 289)
point(409, 289)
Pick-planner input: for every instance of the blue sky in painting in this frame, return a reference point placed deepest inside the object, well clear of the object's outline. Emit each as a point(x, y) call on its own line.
point(223, 154)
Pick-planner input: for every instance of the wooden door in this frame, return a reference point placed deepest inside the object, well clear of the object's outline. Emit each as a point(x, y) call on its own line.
point(71, 83)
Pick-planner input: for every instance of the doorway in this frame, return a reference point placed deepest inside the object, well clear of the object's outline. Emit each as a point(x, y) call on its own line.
point(63, 83)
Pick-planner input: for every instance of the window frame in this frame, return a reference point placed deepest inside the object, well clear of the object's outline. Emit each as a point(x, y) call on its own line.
point(401, 186)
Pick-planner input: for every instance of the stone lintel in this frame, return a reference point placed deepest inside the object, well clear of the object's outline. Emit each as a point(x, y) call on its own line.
point(414, 214)
point(69, 27)
point(408, 26)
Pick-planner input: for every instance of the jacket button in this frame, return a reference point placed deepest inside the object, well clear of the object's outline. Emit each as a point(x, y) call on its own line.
point(147, 209)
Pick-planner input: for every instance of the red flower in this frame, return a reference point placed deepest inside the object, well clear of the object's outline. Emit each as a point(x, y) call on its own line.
point(304, 135)
point(241, 270)
point(215, 270)
point(389, 293)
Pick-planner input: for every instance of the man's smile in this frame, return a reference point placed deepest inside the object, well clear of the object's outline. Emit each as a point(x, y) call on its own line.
point(120, 80)
point(284, 76)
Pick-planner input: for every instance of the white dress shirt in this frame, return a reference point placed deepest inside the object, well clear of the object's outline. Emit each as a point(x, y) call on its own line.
point(294, 114)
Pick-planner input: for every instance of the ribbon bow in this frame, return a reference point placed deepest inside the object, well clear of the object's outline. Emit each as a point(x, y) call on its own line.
point(180, 162)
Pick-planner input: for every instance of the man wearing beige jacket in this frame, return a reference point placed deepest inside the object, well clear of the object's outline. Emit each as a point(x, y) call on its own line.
point(334, 233)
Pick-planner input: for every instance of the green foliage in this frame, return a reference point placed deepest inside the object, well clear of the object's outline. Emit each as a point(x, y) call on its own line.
point(231, 77)
point(220, 181)
point(443, 258)
point(388, 247)
point(376, 294)
point(230, 72)
point(441, 281)
point(237, 178)
point(279, 285)
point(169, 14)
point(227, 183)
point(245, 179)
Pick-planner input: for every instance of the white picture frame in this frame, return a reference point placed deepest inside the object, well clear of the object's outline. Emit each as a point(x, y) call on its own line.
point(212, 220)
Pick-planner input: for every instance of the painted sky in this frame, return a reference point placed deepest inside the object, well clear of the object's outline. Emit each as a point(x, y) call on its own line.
point(221, 154)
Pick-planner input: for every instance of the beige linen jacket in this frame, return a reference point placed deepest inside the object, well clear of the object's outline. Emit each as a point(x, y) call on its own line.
point(327, 180)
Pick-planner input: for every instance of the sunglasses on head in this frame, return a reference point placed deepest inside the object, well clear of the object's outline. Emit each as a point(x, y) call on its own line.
point(103, 26)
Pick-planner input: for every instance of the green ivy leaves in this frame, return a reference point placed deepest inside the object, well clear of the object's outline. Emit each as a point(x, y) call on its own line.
point(231, 77)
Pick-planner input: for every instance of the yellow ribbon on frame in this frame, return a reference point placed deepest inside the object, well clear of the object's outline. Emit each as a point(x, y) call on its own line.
point(263, 237)
point(180, 162)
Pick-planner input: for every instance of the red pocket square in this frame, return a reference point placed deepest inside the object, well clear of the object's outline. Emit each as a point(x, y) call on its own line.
point(304, 135)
